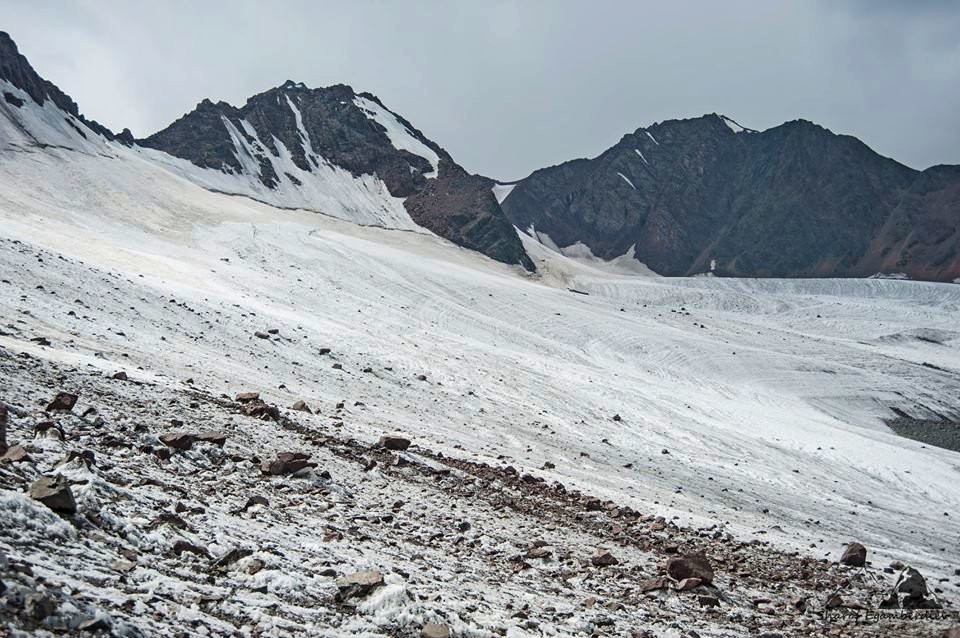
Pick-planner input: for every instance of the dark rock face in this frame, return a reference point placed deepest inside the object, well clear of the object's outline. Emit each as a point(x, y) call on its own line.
point(796, 200)
point(333, 125)
point(15, 69)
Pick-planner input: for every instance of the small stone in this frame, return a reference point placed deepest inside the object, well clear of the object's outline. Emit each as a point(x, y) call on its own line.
point(603, 558)
point(394, 442)
point(120, 376)
point(64, 401)
point(178, 440)
point(246, 397)
point(122, 565)
point(435, 630)
point(261, 335)
point(708, 600)
point(539, 552)
point(301, 406)
point(359, 584)
point(55, 493)
point(855, 555)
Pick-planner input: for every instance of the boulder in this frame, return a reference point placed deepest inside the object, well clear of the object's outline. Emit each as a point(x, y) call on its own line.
point(394, 442)
point(855, 555)
point(120, 376)
point(64, 401)
point(691, 566)
point(301, 406)
point(603, 558)
point(435, 630)
point(178, 440)
point(246, 397)
point(55, 493)
point(358, 584)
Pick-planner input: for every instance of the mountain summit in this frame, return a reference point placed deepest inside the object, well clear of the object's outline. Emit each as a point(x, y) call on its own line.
point(329, 150)
point(708, 195)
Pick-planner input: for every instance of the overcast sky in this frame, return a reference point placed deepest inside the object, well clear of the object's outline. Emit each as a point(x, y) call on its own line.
point(508, 87)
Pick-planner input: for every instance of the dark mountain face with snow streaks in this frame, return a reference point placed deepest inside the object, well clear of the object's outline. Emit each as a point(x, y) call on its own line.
point(706, 195)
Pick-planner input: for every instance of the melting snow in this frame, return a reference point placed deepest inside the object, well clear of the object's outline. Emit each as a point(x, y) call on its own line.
point(652, 138)
point(637, 151)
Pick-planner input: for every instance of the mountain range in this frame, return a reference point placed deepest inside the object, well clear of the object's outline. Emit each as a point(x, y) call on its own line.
point(685, 197)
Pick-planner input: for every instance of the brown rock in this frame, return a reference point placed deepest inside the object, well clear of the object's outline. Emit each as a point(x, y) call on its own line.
point(854, 555)
point(539, 552)
point(286, 463)
point(435, 630)
point(15, 454)
point(63, 401)
point(660, 582)
point(691, 566)
point(55, 493)
point(217, 438)
point(301, 406)
point(178, 440)
point(394, 442)
point(952, 632)
point(246, 397)
point(687, 584)
point(359, 584)
point(260, 410)
point(603, 558)
point(708, 600)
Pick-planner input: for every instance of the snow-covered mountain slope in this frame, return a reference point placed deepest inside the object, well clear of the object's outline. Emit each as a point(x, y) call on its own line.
point(328, 150)
point(752, 407)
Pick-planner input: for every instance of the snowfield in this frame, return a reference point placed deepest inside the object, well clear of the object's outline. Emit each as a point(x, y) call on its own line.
point(756, 406)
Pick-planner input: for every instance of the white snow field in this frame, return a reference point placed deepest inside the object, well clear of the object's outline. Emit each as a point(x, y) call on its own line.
point(758, 405)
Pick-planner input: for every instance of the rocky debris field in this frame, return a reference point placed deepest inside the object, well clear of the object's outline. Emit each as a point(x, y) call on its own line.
point(131, 508)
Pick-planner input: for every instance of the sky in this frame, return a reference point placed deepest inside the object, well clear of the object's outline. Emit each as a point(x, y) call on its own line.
point(509, 87)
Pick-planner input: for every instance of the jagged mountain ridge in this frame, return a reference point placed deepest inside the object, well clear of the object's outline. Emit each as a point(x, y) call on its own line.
point(328, 150)
point(707, 195)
